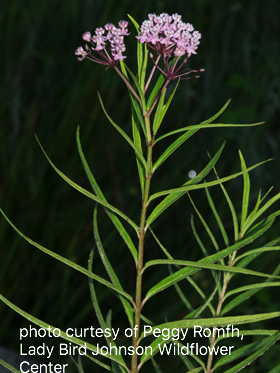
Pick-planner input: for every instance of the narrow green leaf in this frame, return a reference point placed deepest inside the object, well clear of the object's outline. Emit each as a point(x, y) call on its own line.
point(198, 126)
point(163, 205)
point(106, 367)
point(210, 234)
point(245, 350)
point(158, 115)
point(246, 191)
point(199, 264)
point(211, 183)
point(202, 126)
point(166, 106)
point(134, 100)
point(258, 286)
point(110, 270)
point(269, 342)
point(189, 279)
point(138, 113)
point(255, 227)
point(172, 148)
point(181, 294)
point(139, 50)
point(134, 22)
point(88, 194)
point(232, 209)
point(155, 91)
point(140, 90)
point(251, 219)
point(258, 251)
point(179, 275)
point(70, 263)
point(144, 67)
point(94, 298)
point(115, 220)
point(242, 297)
point(156, 366)
point(199, 310)
point(217, 114)
point(124, 135)
point(63, 335)
point(188, 363)
point(218, 219)
point(137, 142)
point(215, 321)
point(9, 367)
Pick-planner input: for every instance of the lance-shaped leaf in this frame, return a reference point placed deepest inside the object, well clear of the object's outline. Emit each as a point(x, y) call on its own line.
point(210, 322)
point(163, 205)
point(232, 209)
point(137, 142)
point(102, 323)
point(124, 135)
point(155, 91)
point(70, 263)
point(198, 126)
point(189, 279)
point(141, 60)
point(140, 90)
point(218, 219)
point(201, 265)
point(244, 296)
point(208, 125)
point(110, 270)
point(139, 49)
point(90, 195)
point(172, 148)
point(258, 286)
point(210, 234)
point(211, 183)
point(166, 106)
point(251, 219)
point(258, 251)
point(246, 191)
point(159, 113)
point(115, 220)
point(135, 103)
point(180, 275)
point(9, 367)
point(260, 346)
point(198, 311)
point(63, 335)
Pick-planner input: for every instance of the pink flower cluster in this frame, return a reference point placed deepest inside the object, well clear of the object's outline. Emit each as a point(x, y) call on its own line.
point(115, 37)
point(167, 34)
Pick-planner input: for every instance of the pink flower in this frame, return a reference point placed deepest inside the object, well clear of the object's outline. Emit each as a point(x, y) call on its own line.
point(170, 37)
point(115, 37)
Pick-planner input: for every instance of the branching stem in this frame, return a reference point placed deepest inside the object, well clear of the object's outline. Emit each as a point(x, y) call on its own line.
point(140, 261)
point(219, 310)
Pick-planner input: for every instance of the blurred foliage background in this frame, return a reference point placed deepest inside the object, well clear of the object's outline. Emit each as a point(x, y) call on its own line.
point(47, 92)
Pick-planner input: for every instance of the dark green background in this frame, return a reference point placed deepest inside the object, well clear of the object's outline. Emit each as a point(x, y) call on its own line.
point(47, 92)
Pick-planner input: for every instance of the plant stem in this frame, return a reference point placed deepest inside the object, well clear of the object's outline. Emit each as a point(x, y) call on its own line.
point(140, 261)
point(128, 85)
point(151, 74)
point(218, 311)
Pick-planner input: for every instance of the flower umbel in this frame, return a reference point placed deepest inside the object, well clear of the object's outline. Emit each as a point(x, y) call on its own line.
point(115, 37)
point(170, 37)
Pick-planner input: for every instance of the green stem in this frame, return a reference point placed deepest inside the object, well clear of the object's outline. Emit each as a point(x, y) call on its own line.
point(140, 261)
point(219, 309)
